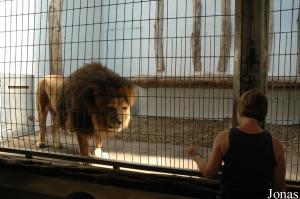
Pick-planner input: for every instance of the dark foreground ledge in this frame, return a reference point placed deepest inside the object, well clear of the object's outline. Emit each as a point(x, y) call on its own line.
point(30, 178)
point(52, 180)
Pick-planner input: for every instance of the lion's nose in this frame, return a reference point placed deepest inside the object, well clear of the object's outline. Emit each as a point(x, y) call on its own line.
point(118, 122)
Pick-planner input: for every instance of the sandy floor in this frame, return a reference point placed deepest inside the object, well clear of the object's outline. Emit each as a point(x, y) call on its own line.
point(202, 132)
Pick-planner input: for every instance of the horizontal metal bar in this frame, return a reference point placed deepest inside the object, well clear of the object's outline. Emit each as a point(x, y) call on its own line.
point(117, 164)
point(108, 162)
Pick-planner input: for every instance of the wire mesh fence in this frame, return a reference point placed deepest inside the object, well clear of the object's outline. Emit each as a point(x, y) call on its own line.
point(283, 120)
point(179, 54)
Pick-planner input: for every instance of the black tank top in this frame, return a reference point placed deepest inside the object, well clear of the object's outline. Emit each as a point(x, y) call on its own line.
point(248, 165)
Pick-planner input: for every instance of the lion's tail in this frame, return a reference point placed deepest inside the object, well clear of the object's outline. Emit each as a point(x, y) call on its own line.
point(42, 99)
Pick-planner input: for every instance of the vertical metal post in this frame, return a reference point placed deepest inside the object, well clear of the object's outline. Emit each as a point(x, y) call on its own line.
point(251, 48)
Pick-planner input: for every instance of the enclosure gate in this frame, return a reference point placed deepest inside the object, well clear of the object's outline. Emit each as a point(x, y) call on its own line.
point(190, 59)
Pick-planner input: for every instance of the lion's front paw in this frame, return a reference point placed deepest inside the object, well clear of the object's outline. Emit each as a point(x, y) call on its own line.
point(41, 144)
point(105, 155)
point(100, 154)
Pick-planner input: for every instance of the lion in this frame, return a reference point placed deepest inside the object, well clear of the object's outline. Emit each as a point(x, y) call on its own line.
point(92, 102)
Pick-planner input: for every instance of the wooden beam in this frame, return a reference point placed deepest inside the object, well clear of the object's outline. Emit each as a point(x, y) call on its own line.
point(237, 60)
point(271, 29)
point(55, 48)
point(225, 36)
point(158, 35)
point(196, 39)
point(251, 48)
point(183, 82)
point(261, 42)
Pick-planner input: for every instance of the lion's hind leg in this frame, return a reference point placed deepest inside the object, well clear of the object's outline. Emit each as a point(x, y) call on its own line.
point(55, 133)
point(42, 122)
point(43, 107)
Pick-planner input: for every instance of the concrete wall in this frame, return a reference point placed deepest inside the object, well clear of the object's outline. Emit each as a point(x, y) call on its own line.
point(17, 36)
point(16, 105)
point(120, 34)
point(284, 105)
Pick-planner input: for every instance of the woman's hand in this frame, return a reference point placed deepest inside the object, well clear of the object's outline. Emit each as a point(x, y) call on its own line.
point(192, 150)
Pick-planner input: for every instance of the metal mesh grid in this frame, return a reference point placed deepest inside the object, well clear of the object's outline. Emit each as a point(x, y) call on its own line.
point(183, 99)
point(284, 68)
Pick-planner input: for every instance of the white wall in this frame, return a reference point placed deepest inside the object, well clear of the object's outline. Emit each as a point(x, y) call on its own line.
point(216, 104)
point(16, 36)
point(16, 105)
point(121, 34)
point(185, 102)
point(17, 22)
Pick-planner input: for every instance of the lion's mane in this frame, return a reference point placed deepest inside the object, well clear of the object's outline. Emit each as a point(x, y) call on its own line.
point(87, 91)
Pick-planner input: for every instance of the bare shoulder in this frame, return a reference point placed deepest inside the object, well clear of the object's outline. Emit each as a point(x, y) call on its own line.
point(222, 136)
point(277, 146)
point(222, 141)
point(280, 169)
point(278, 151)
point(223, 133)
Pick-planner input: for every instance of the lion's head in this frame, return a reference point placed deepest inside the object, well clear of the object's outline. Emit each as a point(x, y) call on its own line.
point(115, 110)
point(95, 98)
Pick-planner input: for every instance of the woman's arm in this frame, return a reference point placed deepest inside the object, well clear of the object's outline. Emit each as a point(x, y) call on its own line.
point(279, 170)
point(197, 158)
point(210, 168)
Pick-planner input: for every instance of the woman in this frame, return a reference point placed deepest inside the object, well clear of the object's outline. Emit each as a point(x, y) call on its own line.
point(254, 163)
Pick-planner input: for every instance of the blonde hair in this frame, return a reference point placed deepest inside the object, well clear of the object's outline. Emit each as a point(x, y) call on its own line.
point(254, 104)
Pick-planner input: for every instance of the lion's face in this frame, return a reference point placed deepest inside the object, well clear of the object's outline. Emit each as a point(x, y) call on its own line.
point(118, 114)
point(114, 110)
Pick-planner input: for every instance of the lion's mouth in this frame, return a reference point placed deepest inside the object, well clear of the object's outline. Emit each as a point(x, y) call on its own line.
point(114, 128)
